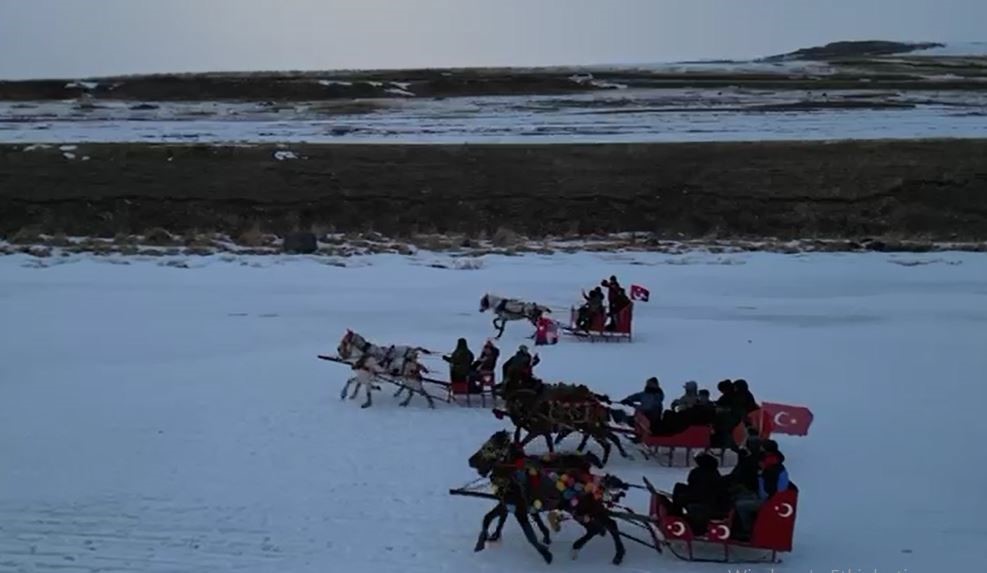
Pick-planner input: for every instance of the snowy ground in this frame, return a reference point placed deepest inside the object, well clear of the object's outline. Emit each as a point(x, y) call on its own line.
point(155, 418)
point(632, 115)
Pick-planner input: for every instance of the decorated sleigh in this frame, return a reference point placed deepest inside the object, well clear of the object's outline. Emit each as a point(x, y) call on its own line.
point(598, 329)
point(772, 533)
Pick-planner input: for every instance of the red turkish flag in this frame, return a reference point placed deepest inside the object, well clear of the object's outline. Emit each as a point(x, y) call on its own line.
point(788, 419)
point(638, 292)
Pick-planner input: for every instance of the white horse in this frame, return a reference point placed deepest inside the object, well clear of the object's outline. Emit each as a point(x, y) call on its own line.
point(372, 361)
point(508, 309)
point(393, 359)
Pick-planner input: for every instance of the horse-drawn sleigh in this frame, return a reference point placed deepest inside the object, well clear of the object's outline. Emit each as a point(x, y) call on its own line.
point(595, 328)
point(565, 487)
point(397, 365)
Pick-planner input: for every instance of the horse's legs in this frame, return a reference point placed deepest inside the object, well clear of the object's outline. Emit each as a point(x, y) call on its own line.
point(369, 401)
point(400, 389)
point(562, 435)
point(582, 444)
point(499, 324)
point(606, 449)
point(356, 389)
point(342, 395)
point(613, 437)
point(546, 538)
point(500, 524)
point(611, 526)
point(528, 439)
point(428, 398)
point(522, 519)
point(548, 441)
point(499, 511)
point(592, 529)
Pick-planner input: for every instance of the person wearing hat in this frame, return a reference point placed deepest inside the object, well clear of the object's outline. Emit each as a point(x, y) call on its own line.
point(689, 399)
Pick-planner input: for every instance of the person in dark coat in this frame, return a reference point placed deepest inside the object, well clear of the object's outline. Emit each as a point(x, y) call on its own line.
point(594, 307)
point(727, 415)
point(519, 368)
point(460, 362)
point(703, 412)
point(743, 478)
point(704, 495)
point(772, 477)
point(487, 362)
point(617, 304)
point(743, 398)
point(613, 288)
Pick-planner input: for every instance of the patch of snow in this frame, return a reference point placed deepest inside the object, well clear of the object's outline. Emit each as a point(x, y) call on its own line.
point(328, 83)
point(167, 424)
point(36, 147)
point(400, 92)
point(608, 85)
point(285, 155)
point(68, 148)
point(68, 155)
point(82, 85)
point(402, 85)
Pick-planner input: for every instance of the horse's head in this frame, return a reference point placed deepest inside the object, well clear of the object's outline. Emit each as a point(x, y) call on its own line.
point(490, 453)
point(345, 345)
point(485, 303)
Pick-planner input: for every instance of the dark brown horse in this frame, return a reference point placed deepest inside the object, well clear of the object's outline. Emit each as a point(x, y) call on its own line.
point(547, 410)
point(528, 485)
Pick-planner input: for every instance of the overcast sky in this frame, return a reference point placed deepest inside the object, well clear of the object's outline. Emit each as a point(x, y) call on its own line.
point(76, 38)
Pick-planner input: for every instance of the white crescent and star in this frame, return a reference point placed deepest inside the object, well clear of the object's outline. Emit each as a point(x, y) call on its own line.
point(677, 529)
point(778, 419)
point(785, 510)
point(721, 532)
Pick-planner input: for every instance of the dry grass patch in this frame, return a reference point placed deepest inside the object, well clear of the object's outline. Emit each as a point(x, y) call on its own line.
point(505, 237)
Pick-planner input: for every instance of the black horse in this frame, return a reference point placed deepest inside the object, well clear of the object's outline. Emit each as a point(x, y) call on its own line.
point(525, 486)
point(546, 410)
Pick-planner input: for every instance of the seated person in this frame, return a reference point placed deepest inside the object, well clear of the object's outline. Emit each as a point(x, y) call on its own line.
point(772, 477)
point(649, 402)
point(704, 496)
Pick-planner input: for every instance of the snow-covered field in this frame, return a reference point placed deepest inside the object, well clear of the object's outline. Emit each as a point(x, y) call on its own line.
point(155, 418)
point(618, 115)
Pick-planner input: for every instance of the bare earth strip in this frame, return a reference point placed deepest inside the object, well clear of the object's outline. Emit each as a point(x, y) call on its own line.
point(929, 189)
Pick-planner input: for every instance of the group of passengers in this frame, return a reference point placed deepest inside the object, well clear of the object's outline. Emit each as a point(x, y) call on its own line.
point(464, 367)
point(694, 408)
point(759, 474)
point(599, 306)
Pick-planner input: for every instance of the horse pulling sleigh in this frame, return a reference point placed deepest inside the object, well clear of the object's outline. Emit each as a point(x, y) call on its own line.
point(565, 487)
point(509, 309)
point(397, 365)
point(547, 410)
